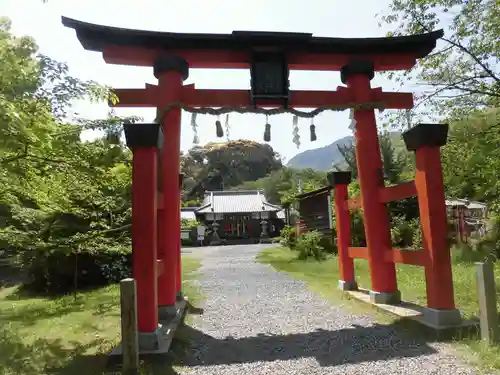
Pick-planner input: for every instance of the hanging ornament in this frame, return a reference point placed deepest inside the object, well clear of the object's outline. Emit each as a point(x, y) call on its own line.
point(267, 130)
point(295, 131)
point(226, 124)
point(312, 130)
point(194, 126)
point(353, 122)
point(218, 129)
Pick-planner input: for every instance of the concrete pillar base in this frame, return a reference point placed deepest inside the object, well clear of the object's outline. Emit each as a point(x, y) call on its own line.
point(167, 312)
point(149, 341)
point(443, 318)
point(348, 285)
point(385, 298)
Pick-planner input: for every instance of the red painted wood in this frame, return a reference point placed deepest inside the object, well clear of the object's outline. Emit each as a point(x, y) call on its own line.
point(178, 279)
point(343, 98)
point(431, 203)
point(346, 263)
point(144, 239)
point(159, 200)
point(397, 192)
point(376, 221)
point(358, 253)
point(401, 256)
point(170, 86)
point(217, 59)
point(159, 267)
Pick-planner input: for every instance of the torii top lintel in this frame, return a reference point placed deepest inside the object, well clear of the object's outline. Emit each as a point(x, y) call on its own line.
point(304, 52)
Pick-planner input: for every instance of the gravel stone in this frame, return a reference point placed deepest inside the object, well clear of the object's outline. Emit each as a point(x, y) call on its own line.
point(259, 321)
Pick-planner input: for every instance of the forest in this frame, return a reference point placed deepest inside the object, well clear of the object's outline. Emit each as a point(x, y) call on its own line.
point(65, 203)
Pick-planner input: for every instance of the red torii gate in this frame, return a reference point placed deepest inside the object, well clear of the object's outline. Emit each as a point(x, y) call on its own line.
point(269, 56)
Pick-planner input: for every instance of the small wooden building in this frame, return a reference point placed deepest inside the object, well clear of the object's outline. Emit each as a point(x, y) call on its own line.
point(315, 210)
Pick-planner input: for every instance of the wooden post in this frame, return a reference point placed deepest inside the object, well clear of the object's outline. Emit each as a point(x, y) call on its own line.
point(486, 293)
point(425, 140)
point(130, 336)
point(341, 181)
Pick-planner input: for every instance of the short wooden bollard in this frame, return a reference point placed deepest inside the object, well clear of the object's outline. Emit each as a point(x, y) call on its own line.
point(130, 337)
point(486, 292)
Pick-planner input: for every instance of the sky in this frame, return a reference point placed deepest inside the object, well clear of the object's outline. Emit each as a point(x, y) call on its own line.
point(329, 18)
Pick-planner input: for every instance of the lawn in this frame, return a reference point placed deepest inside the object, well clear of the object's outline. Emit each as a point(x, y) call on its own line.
point(66, 335)
point(322, 277)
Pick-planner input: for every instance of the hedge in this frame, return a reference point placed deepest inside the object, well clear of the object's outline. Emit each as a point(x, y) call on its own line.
point(59, 271)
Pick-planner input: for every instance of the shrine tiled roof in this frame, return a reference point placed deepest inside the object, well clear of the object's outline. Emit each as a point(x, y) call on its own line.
point(237, 201)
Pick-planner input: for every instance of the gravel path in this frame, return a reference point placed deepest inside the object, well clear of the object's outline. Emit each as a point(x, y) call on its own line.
point(259, 321)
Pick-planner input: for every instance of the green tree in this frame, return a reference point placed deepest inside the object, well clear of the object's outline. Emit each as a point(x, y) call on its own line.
point(57, 193)
point(471, 158)
point(463, 73)
point(394, 161)
point(226, 165)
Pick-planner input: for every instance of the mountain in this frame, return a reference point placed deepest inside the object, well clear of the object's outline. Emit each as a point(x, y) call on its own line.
point(323, 158)
point(320, 159)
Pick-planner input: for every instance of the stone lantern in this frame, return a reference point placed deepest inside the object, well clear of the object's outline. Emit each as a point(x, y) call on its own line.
point(215, 240)
point(264, 235)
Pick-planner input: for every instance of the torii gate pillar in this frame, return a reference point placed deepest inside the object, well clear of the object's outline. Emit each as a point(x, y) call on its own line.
point(357, 76)
point(171, 71)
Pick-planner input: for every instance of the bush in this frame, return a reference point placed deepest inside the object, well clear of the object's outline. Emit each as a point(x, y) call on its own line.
point(189, 224)
point(309, 245)
point(465, 253)
point(329, 244)
point(490, 244)
point(417, 241)
point(403, 233)
point(358, 228)
point(61, 271)
point(288, 235)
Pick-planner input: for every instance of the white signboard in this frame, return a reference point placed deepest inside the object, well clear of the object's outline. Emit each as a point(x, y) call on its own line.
point(201, 232)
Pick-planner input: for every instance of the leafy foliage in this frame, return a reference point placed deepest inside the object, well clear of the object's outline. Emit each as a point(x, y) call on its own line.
point(282, 185)
point(471, 159)
point(225, 165)
point(464, 73)
point(61, 199)
point(288, 236)
point(309, 245)
point(189, 224)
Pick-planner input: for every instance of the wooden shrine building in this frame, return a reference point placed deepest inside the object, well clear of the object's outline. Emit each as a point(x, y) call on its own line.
point(315, 210)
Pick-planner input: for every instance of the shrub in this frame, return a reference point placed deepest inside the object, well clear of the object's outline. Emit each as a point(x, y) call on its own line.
point(189, 224)
point(288, 235)
point(62, 270)
point(403, 232)
point(465, 253)
point(309, 245)
point(329, 244)
point(417, 238)
point(490, 244)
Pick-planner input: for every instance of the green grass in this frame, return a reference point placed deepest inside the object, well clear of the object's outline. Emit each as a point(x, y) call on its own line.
point(66, 335)
point(322, 277)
